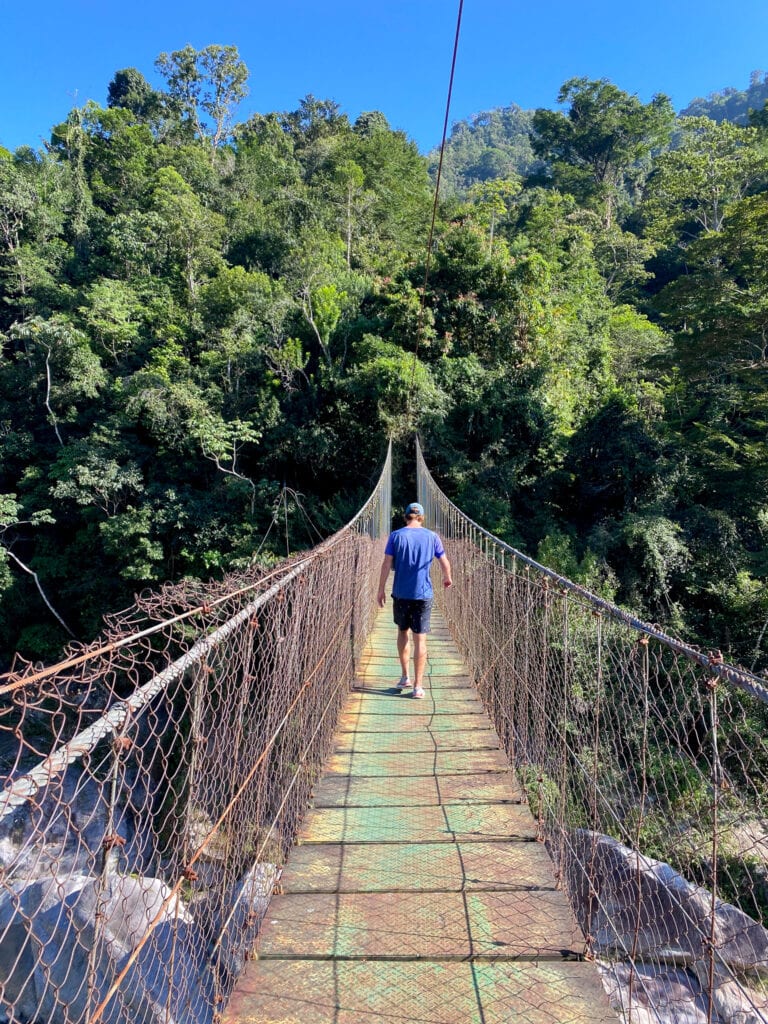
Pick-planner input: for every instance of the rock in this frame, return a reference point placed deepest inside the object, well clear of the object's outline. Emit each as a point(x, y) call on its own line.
point(673, 923)
point(249, 901)
point(659, 994)
point(58, 968)
point(662, 994)
point(735, 1001)
point(61, 830)
point(669, 935)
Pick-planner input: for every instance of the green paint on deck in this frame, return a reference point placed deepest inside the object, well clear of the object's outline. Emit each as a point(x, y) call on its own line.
point(344, 791)
point(417, 890)
point(417, 824)
point(364, 723)
point(441, 762)
point(415, 742)
point(526, 924)
point(422, 867)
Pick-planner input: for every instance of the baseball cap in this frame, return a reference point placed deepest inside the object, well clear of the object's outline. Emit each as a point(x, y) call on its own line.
point(415, 507)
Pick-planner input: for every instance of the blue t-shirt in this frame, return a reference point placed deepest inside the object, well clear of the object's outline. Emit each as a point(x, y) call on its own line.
point(412, 549)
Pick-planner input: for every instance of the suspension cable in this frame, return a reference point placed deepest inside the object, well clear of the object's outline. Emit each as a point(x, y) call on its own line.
point(430, 240)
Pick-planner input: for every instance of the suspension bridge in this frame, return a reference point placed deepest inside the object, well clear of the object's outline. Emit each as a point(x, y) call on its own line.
point(222, 810)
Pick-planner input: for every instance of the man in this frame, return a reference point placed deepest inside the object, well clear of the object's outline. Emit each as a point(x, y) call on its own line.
point(411, 550)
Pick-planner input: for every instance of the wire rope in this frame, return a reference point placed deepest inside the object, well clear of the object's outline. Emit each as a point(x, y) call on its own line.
point(431, 237)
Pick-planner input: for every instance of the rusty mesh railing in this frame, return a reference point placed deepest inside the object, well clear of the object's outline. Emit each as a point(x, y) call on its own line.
point(645, 763)
point(155, 782)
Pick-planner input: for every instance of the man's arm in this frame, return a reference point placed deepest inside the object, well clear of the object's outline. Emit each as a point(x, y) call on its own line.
point(386, 568)
point(445, 565)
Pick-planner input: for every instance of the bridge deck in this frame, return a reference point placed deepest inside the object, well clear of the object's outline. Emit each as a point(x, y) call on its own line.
point(418, 891)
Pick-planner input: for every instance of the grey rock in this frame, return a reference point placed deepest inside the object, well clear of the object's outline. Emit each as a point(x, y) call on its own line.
point(661, 994)
point(248, 901)
point(643, 906)
point(60, 831)
point(57, 966)
point(673, 922)
point(658, 994)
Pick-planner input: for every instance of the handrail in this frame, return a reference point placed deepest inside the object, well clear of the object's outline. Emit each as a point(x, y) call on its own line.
point(643, 760)
point(735, 674)
point(179, 763)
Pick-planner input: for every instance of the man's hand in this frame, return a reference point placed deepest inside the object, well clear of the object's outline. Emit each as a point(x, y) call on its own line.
point(386, 566)
point(447, 582)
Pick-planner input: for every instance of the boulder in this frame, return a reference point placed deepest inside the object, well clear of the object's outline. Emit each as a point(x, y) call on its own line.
point(60, 831)
point(673, 922)
point(659, 994)
point(57, 967)
point(248, 903)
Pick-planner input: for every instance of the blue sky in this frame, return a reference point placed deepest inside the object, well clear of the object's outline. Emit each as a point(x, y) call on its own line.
point(393, 56)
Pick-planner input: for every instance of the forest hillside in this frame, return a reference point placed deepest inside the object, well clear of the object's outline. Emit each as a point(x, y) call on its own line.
point(209, 329)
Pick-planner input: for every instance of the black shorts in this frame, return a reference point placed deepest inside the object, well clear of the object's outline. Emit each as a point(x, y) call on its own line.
point(412, 615)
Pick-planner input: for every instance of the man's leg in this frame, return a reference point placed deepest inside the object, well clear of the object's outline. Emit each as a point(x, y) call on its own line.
point(419, 659)
point(403, 652)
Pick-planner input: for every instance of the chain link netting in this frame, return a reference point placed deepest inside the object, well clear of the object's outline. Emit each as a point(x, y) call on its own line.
point(156, 780)
point(645, 765)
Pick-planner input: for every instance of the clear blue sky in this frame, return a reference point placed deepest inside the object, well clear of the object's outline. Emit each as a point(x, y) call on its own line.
point(391, 55)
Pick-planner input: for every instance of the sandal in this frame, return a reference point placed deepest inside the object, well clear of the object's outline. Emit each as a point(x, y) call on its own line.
point(404, 683)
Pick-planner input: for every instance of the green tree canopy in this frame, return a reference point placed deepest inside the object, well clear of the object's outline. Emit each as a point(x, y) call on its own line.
point(596, 148)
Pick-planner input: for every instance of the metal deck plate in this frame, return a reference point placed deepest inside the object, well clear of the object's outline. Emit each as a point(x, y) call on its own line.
point(419, 867)
point(426, 790)
point(323, 992)
point(410, 824)
point(416, 741)
point(528, 924)
point(441, 762)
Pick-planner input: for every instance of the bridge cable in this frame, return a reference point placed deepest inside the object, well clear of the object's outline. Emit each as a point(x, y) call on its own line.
point(422, 303)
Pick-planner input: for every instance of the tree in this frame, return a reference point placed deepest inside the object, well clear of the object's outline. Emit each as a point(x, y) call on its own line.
point(720, 307)
point(325, 292)
point(112, 313)
point(88, 474)
point(492, 198)
point(18, 199)
point(10, 521)
point(759, 118)
point(192, 234)
point(314, 119)
point(396, 202)
point(316, 130)
point(222, 442)
point(130, 90)
point(392, 388)
point(119, 158)
point(71, 141)
point(370, 122)
point(348, 178)
point(596, 148)
point(72, 372)
point(693, 185)
point(211, 82)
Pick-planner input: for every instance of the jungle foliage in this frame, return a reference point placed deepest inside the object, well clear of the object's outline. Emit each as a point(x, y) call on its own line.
point(209, 329)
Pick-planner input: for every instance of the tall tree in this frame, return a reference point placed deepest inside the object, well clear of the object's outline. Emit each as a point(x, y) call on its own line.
point(130, 90)
point(192, 233)
point(692, 185)
point(596, 147)
point(209, 82)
